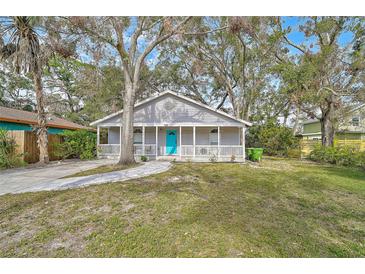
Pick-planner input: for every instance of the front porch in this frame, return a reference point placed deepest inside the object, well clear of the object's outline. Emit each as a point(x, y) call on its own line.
point(182, 143)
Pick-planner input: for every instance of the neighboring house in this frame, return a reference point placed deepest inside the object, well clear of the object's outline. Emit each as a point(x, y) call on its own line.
point(15, 119)
point(20, 125)
point(172, 126)
point(351, 129)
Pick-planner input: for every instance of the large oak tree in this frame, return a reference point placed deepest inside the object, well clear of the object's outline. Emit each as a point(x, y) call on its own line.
point(134, 40)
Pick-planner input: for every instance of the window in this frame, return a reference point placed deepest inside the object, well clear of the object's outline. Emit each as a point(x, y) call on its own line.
point(137, 136)
point(213, 137)
point(355, 121)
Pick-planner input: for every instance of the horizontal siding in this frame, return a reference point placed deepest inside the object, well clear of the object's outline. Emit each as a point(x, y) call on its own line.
point(312, 127)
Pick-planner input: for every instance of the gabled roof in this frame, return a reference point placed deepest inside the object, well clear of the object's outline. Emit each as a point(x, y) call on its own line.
point(26, 117)
point(179, 96)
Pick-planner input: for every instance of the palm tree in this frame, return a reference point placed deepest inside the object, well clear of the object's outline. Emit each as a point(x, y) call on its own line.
point(27, 55)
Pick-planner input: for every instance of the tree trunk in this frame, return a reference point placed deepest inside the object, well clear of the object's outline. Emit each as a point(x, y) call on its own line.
point(126, 153)
point(42, 138)
point(246, 112)
point(327, 123)
point(328, 132)
point(296, 122)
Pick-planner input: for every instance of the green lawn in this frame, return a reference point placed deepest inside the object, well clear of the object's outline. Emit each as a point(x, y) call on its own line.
point(280, 208)
point(102, 169)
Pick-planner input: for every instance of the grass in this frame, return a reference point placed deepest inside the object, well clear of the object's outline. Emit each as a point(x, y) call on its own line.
point(279, 208)
point(102, 169)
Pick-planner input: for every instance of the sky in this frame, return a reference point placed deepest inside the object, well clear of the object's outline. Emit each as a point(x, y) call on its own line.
point(298, 37)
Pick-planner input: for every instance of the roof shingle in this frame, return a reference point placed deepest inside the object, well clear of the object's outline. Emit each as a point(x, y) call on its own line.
point(27, 117)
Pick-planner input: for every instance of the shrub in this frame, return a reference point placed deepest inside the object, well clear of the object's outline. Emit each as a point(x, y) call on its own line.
point(233, 158)
point(213, 158)
point(144, 158)
point(341, 155)
point(8, 156)
point(77, 144)
point(276, 139)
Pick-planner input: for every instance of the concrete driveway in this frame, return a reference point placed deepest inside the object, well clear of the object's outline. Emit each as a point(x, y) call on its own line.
point(18, 179)
point(34, 179)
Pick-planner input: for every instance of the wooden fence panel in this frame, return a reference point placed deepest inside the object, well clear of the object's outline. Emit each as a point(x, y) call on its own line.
point(18, 136)
point(31, 151)
point(53, 141)
point(27, 145)
point(359, 144)
point(307, 146)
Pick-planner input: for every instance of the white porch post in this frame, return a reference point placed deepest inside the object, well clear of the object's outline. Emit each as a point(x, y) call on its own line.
point(156, 150)
point(97, 140)
point(243, 143)
point(120, 140)
point(143, 140)
point(180, 137)
point(193, 141)
point(219, 142)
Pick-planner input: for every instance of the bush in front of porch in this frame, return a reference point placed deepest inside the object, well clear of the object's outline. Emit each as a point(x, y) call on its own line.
point(277, 140)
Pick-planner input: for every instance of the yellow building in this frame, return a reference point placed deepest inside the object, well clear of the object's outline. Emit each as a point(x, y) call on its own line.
point(351, 131)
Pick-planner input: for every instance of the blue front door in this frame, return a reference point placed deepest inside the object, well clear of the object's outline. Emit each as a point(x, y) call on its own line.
point(171, 141)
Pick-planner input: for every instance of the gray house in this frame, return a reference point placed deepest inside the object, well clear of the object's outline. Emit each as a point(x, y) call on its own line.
point(172, 126)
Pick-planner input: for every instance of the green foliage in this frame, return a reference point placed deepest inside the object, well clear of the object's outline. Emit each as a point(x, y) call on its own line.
point(13, 88)
point(341, 155)
point(144, 158)
point(8, 156)
point(77, 144)
point(274, 138)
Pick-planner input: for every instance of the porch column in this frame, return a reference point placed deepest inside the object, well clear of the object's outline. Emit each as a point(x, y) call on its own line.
point(97, 140)
point(219, 142)
point(156, 150)
point(180, 141)
point(193, 141)
point(143, 138)
point(120, 140)
point(243, 143)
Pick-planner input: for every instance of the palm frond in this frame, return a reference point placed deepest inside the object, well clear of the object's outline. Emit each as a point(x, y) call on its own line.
point(23, 47)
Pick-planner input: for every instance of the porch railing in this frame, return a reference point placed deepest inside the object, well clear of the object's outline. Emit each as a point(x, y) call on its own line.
point(149, 149)
point(231, 150)
point(114, 149)
point(210, 150)
point(105, 150)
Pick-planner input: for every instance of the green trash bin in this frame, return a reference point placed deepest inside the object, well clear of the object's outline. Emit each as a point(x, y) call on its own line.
point(255, 154)
point(249, 153)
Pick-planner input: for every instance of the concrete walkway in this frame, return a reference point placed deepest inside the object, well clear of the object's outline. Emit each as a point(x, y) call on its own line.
point(47, 178)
